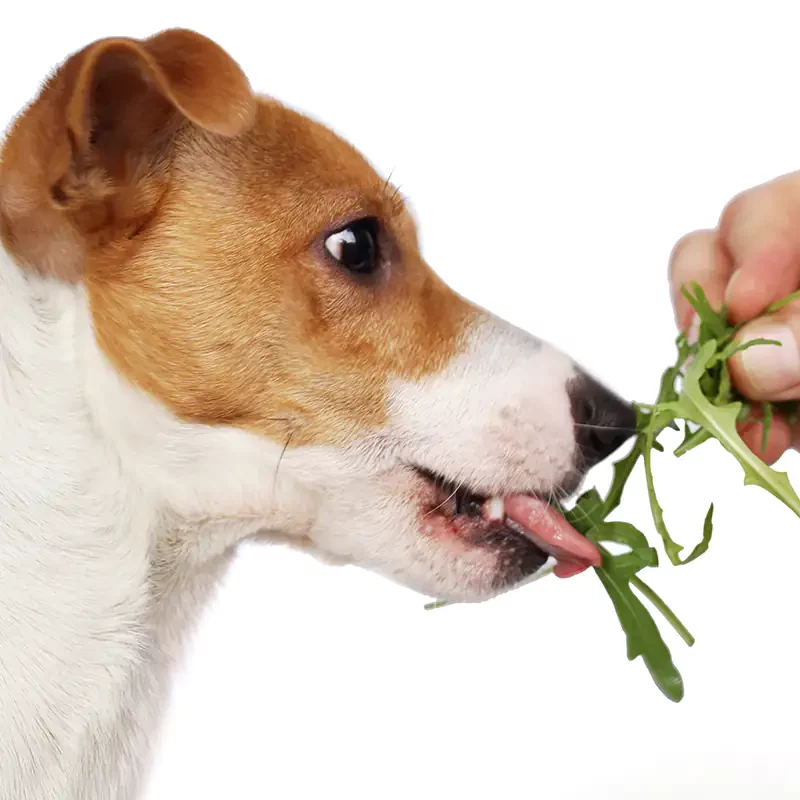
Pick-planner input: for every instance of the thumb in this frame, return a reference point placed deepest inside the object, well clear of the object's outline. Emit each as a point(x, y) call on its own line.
point(770, 372)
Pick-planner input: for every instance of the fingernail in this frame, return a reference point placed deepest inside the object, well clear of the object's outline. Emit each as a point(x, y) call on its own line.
point(772, 369)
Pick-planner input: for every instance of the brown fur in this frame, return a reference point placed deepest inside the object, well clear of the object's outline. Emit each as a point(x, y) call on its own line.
point(196, 214)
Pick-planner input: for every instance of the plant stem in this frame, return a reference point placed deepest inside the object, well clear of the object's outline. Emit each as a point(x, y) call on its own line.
point(665, 610)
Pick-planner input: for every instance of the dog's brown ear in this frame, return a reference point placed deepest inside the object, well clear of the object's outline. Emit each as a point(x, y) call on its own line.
point(87, 162)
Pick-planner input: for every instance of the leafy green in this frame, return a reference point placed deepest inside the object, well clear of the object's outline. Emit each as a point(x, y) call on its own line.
point(622, 471)
point(712, 324)
point(708, 530)
point(720, 422)
point(737, 347)
point(696, 391)
point(779, 304)
point(766, 426)
point(617, 574)
point(671, 547)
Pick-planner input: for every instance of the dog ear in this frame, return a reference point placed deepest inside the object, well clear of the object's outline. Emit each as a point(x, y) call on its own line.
point(86, 163)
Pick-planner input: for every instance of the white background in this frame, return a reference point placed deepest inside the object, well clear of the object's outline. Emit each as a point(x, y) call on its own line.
point(552, 156)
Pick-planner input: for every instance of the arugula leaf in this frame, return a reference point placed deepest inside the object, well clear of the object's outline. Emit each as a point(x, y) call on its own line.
point(720, 422)
point(708, 530)
point(622, 470)
point(734, 347)
point(664, 609)
point(671, 547)
point(766, 425)
point(618, 574)
point(779, 304)
point(697, 391)
point(723, 393)
point(691, 440)
point(712, 323)
point(707, 400)
point(642, 634)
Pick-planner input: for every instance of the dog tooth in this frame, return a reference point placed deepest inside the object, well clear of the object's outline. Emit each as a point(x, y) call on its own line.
point(494, 509)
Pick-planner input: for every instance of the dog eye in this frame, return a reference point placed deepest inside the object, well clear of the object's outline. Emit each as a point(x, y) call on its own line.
point(355, 247)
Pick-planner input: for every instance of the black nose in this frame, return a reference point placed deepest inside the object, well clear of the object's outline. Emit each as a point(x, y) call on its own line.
point(603, 421)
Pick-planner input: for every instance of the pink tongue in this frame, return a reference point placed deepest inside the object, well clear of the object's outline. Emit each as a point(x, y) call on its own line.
point(553, 534)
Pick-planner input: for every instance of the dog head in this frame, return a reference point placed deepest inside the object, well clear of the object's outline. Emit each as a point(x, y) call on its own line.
point(274, 344)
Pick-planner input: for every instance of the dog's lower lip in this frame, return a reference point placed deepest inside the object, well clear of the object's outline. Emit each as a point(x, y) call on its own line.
point(525, 515)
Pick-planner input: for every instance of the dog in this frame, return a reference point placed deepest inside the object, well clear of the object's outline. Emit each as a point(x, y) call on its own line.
point(215, 324)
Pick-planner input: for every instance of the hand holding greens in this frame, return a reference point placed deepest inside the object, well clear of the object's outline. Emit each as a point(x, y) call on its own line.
point(697, 392)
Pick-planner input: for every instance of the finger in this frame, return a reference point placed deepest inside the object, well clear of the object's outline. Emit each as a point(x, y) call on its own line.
point(779, 439)
point(768, 371)
point(698, 257)
point(760, 230)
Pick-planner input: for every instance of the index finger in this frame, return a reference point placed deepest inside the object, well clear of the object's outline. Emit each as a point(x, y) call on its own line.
point(761, 230)
point(698, 257)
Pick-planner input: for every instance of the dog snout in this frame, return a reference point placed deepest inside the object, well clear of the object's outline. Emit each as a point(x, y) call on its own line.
point(603, 420)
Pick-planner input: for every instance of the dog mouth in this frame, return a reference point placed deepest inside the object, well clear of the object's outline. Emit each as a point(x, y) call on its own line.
point(522, 530)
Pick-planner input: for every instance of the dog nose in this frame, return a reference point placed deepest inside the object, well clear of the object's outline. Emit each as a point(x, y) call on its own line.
point(603, 421)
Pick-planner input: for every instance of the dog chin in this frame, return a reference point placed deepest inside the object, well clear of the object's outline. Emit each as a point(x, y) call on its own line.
point(419, 532)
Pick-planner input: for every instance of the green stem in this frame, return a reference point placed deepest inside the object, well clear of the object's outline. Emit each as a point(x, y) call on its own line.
point(666, 611)
point(694, 440)
point(668, 614)
point(722, 428)
point(779, 304)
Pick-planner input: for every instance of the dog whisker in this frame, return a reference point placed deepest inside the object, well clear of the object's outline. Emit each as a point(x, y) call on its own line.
point(387, 183)
point(589, 426)
point(445, 501)
point(278, 465)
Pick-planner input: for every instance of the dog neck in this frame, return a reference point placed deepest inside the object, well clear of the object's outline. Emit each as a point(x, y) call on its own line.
point(115, 523)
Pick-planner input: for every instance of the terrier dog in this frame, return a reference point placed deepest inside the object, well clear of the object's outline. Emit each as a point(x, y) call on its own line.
point(215, 323)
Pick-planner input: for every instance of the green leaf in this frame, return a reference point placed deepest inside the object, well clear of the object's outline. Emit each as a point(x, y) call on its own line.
point(766, 426)
point(696, 389)
point(618, 574)
point(666, 390)
point(779, 304)
point(736, 346)
point(708, 529)
point(713, 321)
point(622, 471)
point(586, 514)
point(685, 349)
point(642, 634)
point(720, 421)
point(668, 614)
point(671, 547)
point(723, 394)
point(641, 554)
point(691, 440)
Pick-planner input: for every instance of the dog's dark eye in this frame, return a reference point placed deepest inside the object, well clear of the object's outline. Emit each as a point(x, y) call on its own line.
point(356, 246)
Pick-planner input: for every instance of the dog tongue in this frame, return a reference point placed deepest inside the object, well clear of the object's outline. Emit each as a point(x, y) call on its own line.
point(553, 534)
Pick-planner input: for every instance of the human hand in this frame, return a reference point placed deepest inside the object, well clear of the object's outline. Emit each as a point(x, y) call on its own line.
point(750, 260)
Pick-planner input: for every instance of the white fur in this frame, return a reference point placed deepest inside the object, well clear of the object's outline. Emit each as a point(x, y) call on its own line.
point(117, 520)
point(497, 418)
